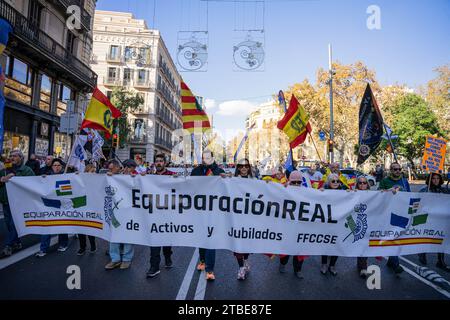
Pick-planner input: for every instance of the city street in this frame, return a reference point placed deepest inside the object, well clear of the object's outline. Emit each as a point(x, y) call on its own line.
point(23, 276)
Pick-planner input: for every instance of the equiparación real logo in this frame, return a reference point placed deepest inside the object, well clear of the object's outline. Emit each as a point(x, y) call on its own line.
point(64, 199)
point(414, 217)
point(357, 228)
point(110, 205)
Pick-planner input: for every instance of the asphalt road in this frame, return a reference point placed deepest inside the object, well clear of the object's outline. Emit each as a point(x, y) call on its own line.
point(23, 276)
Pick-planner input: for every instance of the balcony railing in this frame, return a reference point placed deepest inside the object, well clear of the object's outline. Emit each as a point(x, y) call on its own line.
point(36, 38)
point(85, 16)
point(162, 143)
point(111, 81)
point(142, 83)
point(143, 139)
point(114, 58)
point(166, 119)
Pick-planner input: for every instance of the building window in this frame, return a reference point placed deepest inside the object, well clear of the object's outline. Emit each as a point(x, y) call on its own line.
point(114, 52)
point(112, 73)
point(109, 94)
point(18, 81)
point(129, 53)
point(13, 141)
point(21, 72)
point(62, 143)
point(65, 94)
point(127, 75)
point(142, 75)
point(45, 94)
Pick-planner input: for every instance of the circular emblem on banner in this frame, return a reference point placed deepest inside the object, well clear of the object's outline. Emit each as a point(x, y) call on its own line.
point(364, 150)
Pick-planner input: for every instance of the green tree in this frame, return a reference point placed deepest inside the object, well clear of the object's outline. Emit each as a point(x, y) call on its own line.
point(413, 120)
point(127, 102)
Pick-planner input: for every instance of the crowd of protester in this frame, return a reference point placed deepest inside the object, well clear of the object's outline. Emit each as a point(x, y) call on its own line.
point(328, 177)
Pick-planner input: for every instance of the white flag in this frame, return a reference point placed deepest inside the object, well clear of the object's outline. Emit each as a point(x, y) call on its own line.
point(78, 154)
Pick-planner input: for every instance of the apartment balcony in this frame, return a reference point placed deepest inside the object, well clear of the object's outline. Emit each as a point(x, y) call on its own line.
point(164, 144)
point(142, 83)
point(172, 124)
point(114, 58)
point(143, 139)
point(141, 110)
point(32, 44)
point(85, 16)
point(110, 81)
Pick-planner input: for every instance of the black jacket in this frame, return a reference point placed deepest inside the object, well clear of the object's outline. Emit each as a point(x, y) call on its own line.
point(34, 165)
point(202, 169)
point(46, 171)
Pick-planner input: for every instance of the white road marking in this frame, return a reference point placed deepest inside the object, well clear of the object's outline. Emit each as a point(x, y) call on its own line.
point(415, 275)
point(417, 266)
point(184, 288)
point(25, 253)
point(201, 287)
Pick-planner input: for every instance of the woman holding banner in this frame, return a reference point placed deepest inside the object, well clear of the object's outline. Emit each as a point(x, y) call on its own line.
point(295, 180)
point(243, 170)
point(63, 239)
point(333, 183)
point(362, 184)
point(434, 185)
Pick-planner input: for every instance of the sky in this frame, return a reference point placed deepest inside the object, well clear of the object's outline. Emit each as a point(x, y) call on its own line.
point(413, 39)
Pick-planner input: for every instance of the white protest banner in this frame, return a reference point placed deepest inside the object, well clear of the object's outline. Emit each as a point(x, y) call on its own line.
point(242, 215)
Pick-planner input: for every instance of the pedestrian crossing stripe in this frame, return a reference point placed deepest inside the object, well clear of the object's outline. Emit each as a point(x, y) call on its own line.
point(63, 223)
point(404, 242)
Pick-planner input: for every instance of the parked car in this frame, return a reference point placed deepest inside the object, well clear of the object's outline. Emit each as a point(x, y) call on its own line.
point(352, 174)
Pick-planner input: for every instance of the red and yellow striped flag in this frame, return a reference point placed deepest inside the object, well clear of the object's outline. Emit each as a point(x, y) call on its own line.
point(100, 113)
point(193, 114)
point(295, 123)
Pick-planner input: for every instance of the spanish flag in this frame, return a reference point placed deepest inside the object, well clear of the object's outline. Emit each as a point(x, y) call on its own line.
point(193, 114)
point(295, 123)
point(100, 114)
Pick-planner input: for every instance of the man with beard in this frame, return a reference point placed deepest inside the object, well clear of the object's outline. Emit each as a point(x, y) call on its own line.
point(18, 169)
point(207, 168)
point(155, 252)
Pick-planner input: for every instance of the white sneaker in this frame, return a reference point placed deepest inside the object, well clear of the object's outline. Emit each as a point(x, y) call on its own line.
point(247, 266)
point(241, 273)
point(41, 254)
point(62, 249)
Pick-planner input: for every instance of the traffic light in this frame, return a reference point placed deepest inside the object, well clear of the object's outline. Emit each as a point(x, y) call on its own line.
point(115, 141)
point(330, 145)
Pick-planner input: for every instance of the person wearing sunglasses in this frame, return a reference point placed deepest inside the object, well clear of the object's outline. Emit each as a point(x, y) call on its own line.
point(333, 183)
point(362, 184)
point(435, 186)
point(334, 168)
point(395, 182)
point(295, 180)
point(243, 170)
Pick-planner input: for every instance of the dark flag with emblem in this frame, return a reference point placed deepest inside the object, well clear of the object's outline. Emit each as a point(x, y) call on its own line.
point(370, 126)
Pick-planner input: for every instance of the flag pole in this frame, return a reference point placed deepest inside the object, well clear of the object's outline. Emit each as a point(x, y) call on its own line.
point(315, 147)
point(282, 102)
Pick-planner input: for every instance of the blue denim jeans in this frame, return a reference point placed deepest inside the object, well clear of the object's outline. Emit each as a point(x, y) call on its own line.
point(63, 240)
point(209, 257)
point(12, 238)
point(114, 252)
